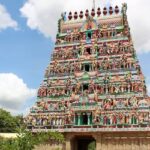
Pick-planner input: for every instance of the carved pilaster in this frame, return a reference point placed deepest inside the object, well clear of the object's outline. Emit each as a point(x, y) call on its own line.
point(141, 143)
point(88, 118)
point(68, 138)
point(79, 118)
point(98, 139)
point(68, 144)
point(148, 144)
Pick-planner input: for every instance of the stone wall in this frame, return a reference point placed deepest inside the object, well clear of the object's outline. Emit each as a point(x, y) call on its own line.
point(105, 141)
point(114, 141)
point(8, 135)
point(124, 141)
point(49, 147)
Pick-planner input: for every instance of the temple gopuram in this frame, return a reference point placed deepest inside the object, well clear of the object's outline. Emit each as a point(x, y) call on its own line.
point(94, 88)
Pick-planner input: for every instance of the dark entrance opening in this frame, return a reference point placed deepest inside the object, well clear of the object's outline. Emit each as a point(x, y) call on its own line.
point(87, 67)
point(85, 87)
point(85, 119)
point(84, 143)
point(88, 50)
point(89, 35)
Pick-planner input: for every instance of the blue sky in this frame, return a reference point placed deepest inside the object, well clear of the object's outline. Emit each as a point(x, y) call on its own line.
point(25, 47)
point(23, 52)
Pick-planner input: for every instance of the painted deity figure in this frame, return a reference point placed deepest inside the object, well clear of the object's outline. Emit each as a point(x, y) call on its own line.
point(42, 92)
point(68, 118)
point(117, 89)
point(114, 119)
point(127, 117)
point(82, 49)
point(107, 104)
point(128, 77)
point(133, 102)
point(140, 118)
point(104, 120)
point(96, 116)
point(106, 79)
point(78, 85)
point(34, 121)
point(45, 121)
point(89, 24)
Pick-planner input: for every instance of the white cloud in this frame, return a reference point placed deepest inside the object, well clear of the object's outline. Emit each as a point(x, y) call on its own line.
point(14, 92)
point(42, 15)
point(5, 19)
point(148, 89)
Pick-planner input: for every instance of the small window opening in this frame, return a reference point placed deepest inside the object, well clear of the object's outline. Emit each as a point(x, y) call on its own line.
point(66, 92)
point(113, 34)
point(73, 89)
point(88, 50)
point(85, 87)
point(82, 68)
point(87, 67)
point(85, 119)
point(89, 35)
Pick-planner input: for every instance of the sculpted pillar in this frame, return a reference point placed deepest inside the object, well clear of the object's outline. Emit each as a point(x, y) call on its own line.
point(88, 118)
point(98, 139)
point(68, 142)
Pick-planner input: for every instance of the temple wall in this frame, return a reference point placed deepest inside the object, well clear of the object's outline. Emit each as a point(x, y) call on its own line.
point(117, 141)
point(49, 147)
point(124, 141)
point(106, 141)
point(125, 144)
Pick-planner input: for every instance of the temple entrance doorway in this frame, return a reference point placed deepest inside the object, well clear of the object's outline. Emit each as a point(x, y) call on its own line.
point(85, 119)
point(84, 143)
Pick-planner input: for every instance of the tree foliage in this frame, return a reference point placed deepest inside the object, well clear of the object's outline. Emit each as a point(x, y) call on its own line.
point(92, 146)
point(9, 123)
point(26, 140)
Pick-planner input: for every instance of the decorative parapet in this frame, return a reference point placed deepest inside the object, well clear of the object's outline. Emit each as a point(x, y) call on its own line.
point(93, 13)
point(76, 130)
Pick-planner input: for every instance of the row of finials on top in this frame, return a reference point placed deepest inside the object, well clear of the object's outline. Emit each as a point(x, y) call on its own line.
point(93, 13)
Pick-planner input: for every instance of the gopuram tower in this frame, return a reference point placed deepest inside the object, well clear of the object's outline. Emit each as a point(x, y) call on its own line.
point(94, 89)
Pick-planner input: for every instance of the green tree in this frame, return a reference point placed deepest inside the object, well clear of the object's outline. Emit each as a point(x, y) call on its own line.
point(92, 146)
point(9, 123)
point(25, 140)
point(7, 144)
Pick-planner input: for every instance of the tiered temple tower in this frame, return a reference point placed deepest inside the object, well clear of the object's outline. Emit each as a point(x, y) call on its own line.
point(94, 87)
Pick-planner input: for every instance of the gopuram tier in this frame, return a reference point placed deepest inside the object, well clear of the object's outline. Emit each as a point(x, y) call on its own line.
point(93, 82)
